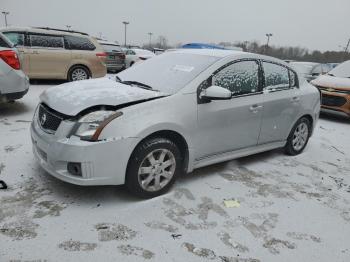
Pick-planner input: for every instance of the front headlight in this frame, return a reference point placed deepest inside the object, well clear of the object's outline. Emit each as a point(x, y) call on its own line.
point(90, 126)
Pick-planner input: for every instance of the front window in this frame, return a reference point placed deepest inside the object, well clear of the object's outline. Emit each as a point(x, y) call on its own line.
point(46, 41)
point(240, 78)
point(15, 37)
point(168, 72)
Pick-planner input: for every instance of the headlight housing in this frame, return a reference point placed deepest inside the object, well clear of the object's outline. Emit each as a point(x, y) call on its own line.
point(90, 126)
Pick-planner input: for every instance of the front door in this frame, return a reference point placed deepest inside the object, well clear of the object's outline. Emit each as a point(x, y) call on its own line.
point(228, 125)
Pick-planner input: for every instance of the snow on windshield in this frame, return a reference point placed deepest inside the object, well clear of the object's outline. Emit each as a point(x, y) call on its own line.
point(168, 72)
point(342, 70)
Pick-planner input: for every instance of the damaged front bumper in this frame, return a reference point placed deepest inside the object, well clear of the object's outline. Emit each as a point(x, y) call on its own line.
point(101, 163)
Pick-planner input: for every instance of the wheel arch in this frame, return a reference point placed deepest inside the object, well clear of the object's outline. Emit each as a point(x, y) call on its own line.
point(173, 136)
point(78, 65)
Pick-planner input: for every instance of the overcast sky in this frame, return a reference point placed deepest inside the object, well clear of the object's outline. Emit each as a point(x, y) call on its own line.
point(315, 24)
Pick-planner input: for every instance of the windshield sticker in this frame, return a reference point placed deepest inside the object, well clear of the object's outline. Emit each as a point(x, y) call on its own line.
point(183, 68)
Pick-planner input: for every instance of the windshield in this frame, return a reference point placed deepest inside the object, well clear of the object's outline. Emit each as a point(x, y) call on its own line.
point(111, 48)
point(168, 72)
point(342, 70)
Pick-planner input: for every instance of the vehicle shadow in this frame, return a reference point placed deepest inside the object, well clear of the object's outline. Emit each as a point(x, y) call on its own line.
point(46, 82)
point(13, 108)
point(335, 118)
point(92, 196)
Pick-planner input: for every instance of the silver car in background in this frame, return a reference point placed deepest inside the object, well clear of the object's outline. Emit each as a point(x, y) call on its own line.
point(171, 114)
point(14, 84)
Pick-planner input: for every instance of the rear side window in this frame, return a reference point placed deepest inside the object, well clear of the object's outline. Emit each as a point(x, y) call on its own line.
point(276, 76)
point(46, 41)
point(15, 37)
point(79, 43)
point(111, 48)
point(240, 77)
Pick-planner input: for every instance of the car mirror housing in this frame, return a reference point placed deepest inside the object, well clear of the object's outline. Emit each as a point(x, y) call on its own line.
point(215, 93)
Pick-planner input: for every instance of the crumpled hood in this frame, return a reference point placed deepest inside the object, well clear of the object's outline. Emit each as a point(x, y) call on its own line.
point(72, 98)
point(332, 82)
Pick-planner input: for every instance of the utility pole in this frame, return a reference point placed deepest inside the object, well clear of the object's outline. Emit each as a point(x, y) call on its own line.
point(68, 27)
point(5, 13)
point(150, 39)
point(268, 41)
point(347, 47)
point(125, 25)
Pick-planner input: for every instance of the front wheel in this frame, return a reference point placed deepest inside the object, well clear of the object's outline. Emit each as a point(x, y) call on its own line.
point(153, 167)
point(298, 137)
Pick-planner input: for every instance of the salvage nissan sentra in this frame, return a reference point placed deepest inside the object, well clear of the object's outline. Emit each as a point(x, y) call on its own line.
point(172, 114)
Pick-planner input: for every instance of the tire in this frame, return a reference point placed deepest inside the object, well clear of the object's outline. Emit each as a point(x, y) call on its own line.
point(142, 175)
point(298, 137)
point(78, 73)
point(131, 64)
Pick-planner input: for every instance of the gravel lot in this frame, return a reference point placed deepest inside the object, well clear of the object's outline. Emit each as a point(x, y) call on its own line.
point(291, 208)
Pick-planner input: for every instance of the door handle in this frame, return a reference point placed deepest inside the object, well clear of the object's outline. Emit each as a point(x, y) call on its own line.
point(255, 108)
point(295, 99)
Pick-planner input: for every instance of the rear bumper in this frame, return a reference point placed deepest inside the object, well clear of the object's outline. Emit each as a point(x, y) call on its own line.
point(14, 85)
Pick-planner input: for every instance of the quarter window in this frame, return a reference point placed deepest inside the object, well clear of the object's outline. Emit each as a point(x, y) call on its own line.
point(46, 41)
point(79, 43)
point(240, 77)
point(276, 76)
point(15, 38)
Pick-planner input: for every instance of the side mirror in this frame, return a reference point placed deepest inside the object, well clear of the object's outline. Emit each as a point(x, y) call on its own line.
point(216, 93)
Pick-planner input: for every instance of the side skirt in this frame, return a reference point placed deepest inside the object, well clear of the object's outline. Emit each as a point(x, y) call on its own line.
point(225, 156)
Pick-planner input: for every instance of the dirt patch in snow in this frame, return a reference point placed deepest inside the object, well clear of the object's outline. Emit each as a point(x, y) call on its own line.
point(109, 232)
point(19, 230)
point(135, 251)
point(161, 226)
point(77, 246)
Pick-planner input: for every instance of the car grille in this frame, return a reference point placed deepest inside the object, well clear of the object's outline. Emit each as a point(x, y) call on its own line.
point(48, 120)
point(328, 100)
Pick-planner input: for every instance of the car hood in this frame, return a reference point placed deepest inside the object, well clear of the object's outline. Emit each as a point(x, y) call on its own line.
point(332, 82)
point(72, 98)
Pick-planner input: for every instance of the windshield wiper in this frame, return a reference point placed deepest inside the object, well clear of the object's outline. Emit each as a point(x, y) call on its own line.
point(138, 84)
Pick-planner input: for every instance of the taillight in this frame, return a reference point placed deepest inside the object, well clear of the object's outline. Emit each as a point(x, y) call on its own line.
point(142, 58)
point(11, 58)
point(102, 55)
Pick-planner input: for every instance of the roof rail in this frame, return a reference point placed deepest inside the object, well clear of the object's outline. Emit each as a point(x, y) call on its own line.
point(61, 30)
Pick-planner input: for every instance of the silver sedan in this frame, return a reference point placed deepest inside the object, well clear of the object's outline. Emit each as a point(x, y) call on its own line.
point(170, 115)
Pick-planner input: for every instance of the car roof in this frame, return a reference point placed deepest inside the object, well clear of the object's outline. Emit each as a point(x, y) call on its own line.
point(43, 30)
point(229, 53)
point(104, 42)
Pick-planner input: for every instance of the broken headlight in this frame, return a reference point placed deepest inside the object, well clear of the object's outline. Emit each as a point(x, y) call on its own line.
point(90, 126)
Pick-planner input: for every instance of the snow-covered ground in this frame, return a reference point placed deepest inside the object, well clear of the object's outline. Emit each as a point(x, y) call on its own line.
point(291, 208)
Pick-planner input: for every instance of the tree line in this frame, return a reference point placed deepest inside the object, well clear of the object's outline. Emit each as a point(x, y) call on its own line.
point(281, 52)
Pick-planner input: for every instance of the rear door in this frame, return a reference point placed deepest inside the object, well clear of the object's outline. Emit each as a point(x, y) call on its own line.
point(281, 102)
point(48, 56)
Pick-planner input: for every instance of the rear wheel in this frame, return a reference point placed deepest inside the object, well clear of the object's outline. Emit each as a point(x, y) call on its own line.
point(298, 137)
point(77, 73)
point(153, 167)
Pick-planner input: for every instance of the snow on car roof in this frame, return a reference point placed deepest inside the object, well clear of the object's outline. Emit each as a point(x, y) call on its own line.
point(210, 52)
